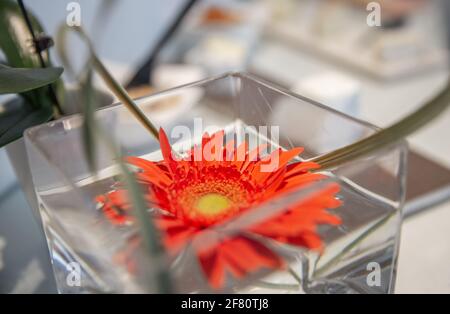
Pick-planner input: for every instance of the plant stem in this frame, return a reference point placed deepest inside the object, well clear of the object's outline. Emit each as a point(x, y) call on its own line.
point(296, 277)
point(51, 90)
point(353, 244)
point(387, 136)
point(148, 230)
point(123, 96)
point(278, 286)
point(112, 84)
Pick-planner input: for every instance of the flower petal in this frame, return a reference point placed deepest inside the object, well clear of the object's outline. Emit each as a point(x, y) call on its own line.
point(252, 256)
point(166, 150)
point(152, 173)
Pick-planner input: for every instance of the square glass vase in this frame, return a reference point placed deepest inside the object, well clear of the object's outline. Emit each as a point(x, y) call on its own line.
point(92, 255)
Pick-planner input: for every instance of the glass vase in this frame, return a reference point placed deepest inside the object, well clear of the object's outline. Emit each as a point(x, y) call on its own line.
point(91, 255)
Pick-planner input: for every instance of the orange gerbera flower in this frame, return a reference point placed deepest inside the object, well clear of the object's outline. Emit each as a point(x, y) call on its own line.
point(216, 183)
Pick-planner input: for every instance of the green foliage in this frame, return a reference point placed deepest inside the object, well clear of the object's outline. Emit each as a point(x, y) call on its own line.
point(19, 80)
point(19, 114)
point(16, 46)
point(14, 122)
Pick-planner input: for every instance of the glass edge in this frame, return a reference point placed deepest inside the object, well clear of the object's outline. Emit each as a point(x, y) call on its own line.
point(238, 74)
point(289, 93)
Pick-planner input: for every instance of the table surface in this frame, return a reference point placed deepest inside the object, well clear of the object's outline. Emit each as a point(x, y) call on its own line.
point(424, 251)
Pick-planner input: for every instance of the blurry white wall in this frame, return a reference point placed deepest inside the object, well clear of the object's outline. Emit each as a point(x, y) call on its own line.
point(132, 28)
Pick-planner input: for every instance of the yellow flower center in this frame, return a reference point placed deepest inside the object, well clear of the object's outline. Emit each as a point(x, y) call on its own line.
point(206, 203)
point(212, 204)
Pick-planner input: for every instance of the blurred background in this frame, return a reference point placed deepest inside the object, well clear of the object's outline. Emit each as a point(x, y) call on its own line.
point(374, 60)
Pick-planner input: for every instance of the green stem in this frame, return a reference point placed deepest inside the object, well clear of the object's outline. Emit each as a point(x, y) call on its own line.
point(112, 84)
point(296, 277)
point(149, 232)
point(123, 96)
point(51, 90)
point(388, 136)
point(352, 245)
point(278, 286)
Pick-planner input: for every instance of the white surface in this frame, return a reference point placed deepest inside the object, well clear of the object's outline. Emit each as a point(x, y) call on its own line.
point(424, 260)
point(129, 32)
point(166, 76)
point(338, 90)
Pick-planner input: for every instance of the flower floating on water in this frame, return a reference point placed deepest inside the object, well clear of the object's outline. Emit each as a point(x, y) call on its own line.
point(217, 183)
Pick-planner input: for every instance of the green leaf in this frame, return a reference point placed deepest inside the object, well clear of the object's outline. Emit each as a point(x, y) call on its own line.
point(19, 80)
point(16, 46)
point(12, 112)
point(14, 36)
point(14, 124)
